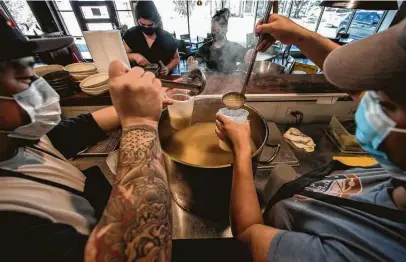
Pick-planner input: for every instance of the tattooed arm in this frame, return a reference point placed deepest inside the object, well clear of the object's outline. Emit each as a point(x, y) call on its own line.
point(136, 223)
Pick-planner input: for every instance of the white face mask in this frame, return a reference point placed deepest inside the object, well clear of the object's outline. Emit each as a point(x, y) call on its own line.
point(41, 103)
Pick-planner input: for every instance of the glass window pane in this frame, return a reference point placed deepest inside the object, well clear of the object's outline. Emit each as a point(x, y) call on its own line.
point(364, 23)
point(241, 25)
point(334, 20)
point(23, 16)
point(71, 23)
point(173, 15)
point(81, 45)
point(63, 5)
point(92, 12)
point(99, 26)
point(122, 4)
point(126, 18)
point(200, 17)
point(306, 13)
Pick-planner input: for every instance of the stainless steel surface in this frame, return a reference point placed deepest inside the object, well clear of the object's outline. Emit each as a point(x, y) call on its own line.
point(285, 154)
point(206, 190)
point(195, 82)
point(263, 68)
point(233, 100)
point(186, 225)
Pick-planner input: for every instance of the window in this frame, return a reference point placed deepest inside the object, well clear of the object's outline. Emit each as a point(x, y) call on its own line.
point(200, 17)
point(242, 21)
point(174, 16)
point(71, 23)
point(23, 16)
point(334, 20)
point(305, 13)
point(364, 24)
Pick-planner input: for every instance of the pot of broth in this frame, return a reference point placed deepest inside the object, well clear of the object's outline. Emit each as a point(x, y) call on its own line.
point(199, 171)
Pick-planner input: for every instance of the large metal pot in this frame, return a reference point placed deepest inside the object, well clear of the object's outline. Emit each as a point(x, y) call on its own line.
point(205, 190)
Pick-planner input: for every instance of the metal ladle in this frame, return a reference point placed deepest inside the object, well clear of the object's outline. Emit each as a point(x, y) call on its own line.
point(235, 100)
point(196, 82)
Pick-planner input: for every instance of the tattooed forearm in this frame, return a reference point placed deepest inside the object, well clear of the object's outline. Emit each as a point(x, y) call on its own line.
point(136, 224)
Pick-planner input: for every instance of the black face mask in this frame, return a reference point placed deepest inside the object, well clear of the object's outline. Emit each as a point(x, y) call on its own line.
point(148, 30)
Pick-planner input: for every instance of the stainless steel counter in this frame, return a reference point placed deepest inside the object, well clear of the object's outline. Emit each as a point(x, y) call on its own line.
point(189, 226)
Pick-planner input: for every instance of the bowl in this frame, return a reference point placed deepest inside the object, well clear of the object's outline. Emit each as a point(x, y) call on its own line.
point(81, 68)
point(45, 69)
point(95, 80)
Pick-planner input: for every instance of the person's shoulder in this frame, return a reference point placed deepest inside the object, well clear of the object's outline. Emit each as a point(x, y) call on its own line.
point(168, 39)
point(234, 45)
point(132, 31)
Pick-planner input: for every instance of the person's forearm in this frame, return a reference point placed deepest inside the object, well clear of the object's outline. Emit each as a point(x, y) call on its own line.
point(107, 119)
point(315, 47)
point(136, 224)
point(245, 210)
point(131, 57)
point(174, 62)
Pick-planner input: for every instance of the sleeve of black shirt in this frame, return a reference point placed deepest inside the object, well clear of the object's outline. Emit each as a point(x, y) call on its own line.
point(130, 38)
point(75, 134)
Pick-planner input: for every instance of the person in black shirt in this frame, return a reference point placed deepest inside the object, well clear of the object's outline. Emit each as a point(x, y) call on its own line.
point(147, 43)
point(221, 55)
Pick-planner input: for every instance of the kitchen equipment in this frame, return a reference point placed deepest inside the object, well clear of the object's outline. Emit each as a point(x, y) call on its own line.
point(45, 69)
point(154, 68)
point(195, 82)
point(181, 110)
point(239, 116)
point(237, 101)
point(205, 190)
point(81, 68)
point(62, 83)
point(263, 68)
point(95, 84)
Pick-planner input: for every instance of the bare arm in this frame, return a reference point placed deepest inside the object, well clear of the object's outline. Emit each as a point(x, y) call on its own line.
point(107, 119)
point(313, 45)
point(129, 52)
point(174, 62)
point(245, 210)
point(140, 59)
point(245, 213)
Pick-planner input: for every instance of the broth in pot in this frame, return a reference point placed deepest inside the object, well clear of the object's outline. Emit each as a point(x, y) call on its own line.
point(198, 145)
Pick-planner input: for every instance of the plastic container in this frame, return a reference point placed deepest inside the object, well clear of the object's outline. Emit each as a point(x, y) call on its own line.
point(239, 116)
point(180, 112)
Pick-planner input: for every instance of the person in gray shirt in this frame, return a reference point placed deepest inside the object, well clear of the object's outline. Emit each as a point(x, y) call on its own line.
point(346, 214)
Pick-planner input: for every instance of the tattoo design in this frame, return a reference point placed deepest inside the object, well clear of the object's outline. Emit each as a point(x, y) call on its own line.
point(136, 224)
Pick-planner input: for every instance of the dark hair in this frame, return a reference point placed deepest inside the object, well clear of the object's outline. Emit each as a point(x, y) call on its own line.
point(147, 10)
point(221, 17)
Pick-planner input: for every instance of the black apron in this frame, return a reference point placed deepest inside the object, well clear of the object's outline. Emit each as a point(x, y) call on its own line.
point(298, 186)
point(97, 188)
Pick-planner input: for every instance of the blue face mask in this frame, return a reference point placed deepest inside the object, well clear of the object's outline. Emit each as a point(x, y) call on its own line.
point(373, 126)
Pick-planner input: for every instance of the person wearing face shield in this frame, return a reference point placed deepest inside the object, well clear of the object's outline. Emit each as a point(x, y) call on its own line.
point(336, 212)
point(148, 43)
point(48, 208)
point(220, 54)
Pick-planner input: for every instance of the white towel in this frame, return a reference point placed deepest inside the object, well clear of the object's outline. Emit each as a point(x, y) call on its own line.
point(300, 140)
